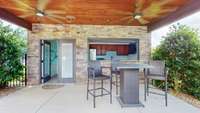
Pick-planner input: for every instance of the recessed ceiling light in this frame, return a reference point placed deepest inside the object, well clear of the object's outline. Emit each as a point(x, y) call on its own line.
point(108, 20)
point(137, 15)
point(40, 13)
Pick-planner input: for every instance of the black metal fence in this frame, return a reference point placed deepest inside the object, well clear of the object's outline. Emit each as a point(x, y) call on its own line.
point(20, 81)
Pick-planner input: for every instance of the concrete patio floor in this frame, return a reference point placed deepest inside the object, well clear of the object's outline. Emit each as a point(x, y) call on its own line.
point(72, 99)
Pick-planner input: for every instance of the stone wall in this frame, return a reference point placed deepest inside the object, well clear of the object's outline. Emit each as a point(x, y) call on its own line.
point(80, 33)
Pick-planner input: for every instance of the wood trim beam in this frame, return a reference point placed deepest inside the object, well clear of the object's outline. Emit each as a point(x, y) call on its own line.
point(6, 15)
point(191, 7)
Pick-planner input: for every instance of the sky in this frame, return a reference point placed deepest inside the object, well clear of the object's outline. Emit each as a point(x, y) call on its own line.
point(11, 24)
point(192, 21)
point(24, 33)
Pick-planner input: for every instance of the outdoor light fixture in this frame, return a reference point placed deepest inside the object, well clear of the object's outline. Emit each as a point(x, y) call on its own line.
point(137, 15)
point(40, 13)
point(70, 18)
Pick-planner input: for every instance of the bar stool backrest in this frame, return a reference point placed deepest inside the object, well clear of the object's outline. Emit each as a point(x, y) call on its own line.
point(158, 68)
point(96, 67)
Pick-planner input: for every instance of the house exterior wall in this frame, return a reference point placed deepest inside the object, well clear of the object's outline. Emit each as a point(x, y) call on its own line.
point(80, 33)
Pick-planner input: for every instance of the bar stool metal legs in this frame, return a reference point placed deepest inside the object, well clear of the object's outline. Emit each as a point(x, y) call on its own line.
point(116, 84)
point(166, 90)
point(87, 88)
point(146, 90)
point(101, 87)
point(94, 93)
point(145, 87)
point(111, 89)
point(103, 92)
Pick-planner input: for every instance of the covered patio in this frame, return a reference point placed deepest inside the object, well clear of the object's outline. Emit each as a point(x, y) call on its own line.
point(81, 26)
point(81, 20)
point(71, 98)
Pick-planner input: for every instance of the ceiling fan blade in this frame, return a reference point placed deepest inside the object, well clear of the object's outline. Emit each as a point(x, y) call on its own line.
point(120, 20)
point(139, 5)
point(162, 13)
point(41, 4)
point(143, 21)
point(15, 8)
point(154, 9)
point(164, 2)
point(118, 12)
point(26, 15)
point(55, 12)
point(130, 21)
point(169, 10)
point(55, 20)
point(22, 4)
point(57, 16)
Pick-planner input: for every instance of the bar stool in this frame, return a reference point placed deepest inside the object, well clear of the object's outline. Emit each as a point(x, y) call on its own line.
point(159, 72)
point(116, 74)
point(95, 74)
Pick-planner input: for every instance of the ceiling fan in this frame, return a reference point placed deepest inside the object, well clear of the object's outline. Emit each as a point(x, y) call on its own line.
point(143, 14)
point(38, 11)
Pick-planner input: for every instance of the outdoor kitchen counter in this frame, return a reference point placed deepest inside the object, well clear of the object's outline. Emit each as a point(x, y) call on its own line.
point(129, 84)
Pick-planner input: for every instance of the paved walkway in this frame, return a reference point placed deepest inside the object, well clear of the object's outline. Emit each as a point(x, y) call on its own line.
point(72, 99)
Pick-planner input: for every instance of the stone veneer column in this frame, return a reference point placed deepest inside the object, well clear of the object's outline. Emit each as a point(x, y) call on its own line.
point(33, 60)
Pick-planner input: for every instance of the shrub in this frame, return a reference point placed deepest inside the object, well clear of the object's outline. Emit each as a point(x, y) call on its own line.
point(12, 48)
point(181, 51)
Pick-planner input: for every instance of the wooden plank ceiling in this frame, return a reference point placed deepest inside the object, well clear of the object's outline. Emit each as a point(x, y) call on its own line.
point(95, 12)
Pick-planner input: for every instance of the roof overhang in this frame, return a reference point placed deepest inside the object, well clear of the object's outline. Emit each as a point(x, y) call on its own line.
point(5, 15)
point(190, 8)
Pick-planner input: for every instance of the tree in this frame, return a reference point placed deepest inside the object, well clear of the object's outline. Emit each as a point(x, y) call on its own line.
point(181, 51)
point(12, 48)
